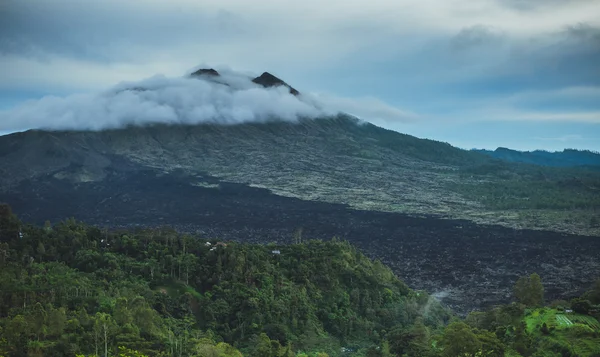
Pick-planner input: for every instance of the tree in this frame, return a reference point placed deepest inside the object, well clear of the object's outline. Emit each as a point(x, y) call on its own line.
point(16, 332)
point(4, 253)
point(420, 343)
point(226, 350)
point(544, 329)
point(38, 319)
point(522, 341)
point(459, 340)
point(126, 352)
point(57, 318)
point(529, 290)
point(41, 251)
point(594, 294)
point(47, 226)
point(491, 346)
point(263, 346)
point(385, 349)
point(581, 306)
point(104, 326)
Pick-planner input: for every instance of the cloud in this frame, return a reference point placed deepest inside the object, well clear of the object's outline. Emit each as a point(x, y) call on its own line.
point(592, 117)
point(160, 100)
point(564, 138)
point(287, 37)
point(532, 5)
point(475, 36)
point(567, 98)
point(511, 114)
point(366, 108)
point(230, 98)
point(447, 60)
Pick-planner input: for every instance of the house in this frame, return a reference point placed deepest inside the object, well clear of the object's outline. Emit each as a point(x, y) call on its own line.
point(218, 244)
point(568, 311)
point(276, 252)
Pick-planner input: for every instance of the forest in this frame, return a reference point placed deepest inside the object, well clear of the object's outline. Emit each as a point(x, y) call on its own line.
point(71, 289)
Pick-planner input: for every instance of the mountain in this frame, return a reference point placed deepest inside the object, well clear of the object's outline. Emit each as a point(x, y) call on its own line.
point(454, 222)
point(336, 160)
point(206, 72)
point(565, 158)
point(268, 80)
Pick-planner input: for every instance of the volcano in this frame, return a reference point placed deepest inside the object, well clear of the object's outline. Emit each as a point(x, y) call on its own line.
point(420, 205)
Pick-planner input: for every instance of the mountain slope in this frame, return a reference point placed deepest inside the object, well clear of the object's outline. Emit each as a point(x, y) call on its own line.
point(565, 158)
point(335, 160)
point(266, 182)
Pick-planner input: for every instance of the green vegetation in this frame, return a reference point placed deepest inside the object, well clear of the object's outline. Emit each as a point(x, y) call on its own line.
point(529, 290)
point(521, 186)
point(562, 329)
point(73, 289)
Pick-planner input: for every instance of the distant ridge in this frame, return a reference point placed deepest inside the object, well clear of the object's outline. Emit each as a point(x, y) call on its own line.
point(565, 158)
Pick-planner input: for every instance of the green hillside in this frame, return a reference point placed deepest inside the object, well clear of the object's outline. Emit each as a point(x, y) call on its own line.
point(528, 328)
point(73, 289)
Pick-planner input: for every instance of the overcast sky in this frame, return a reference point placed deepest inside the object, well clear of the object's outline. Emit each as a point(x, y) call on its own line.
point(523, 74)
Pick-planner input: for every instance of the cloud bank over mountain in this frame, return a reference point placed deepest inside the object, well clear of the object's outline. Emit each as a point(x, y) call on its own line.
point(229, 98)
point(458, 64)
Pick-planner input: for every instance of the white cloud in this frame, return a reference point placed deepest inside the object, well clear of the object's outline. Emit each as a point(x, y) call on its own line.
point(592, 117)
point(564, 138)
point(366, 108)
point(228, 99)
point(561, 94)
point(507, 67)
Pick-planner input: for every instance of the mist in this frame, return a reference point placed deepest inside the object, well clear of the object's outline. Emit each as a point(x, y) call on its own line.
point(230, 98)
point(233, 99)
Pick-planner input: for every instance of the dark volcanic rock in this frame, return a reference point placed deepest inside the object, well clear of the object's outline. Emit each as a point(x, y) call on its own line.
point(268, 80)
point(206, 72)
point(466, 265)
point(129, 177)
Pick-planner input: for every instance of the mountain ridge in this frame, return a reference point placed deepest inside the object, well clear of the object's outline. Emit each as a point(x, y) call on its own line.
point(564, 158)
